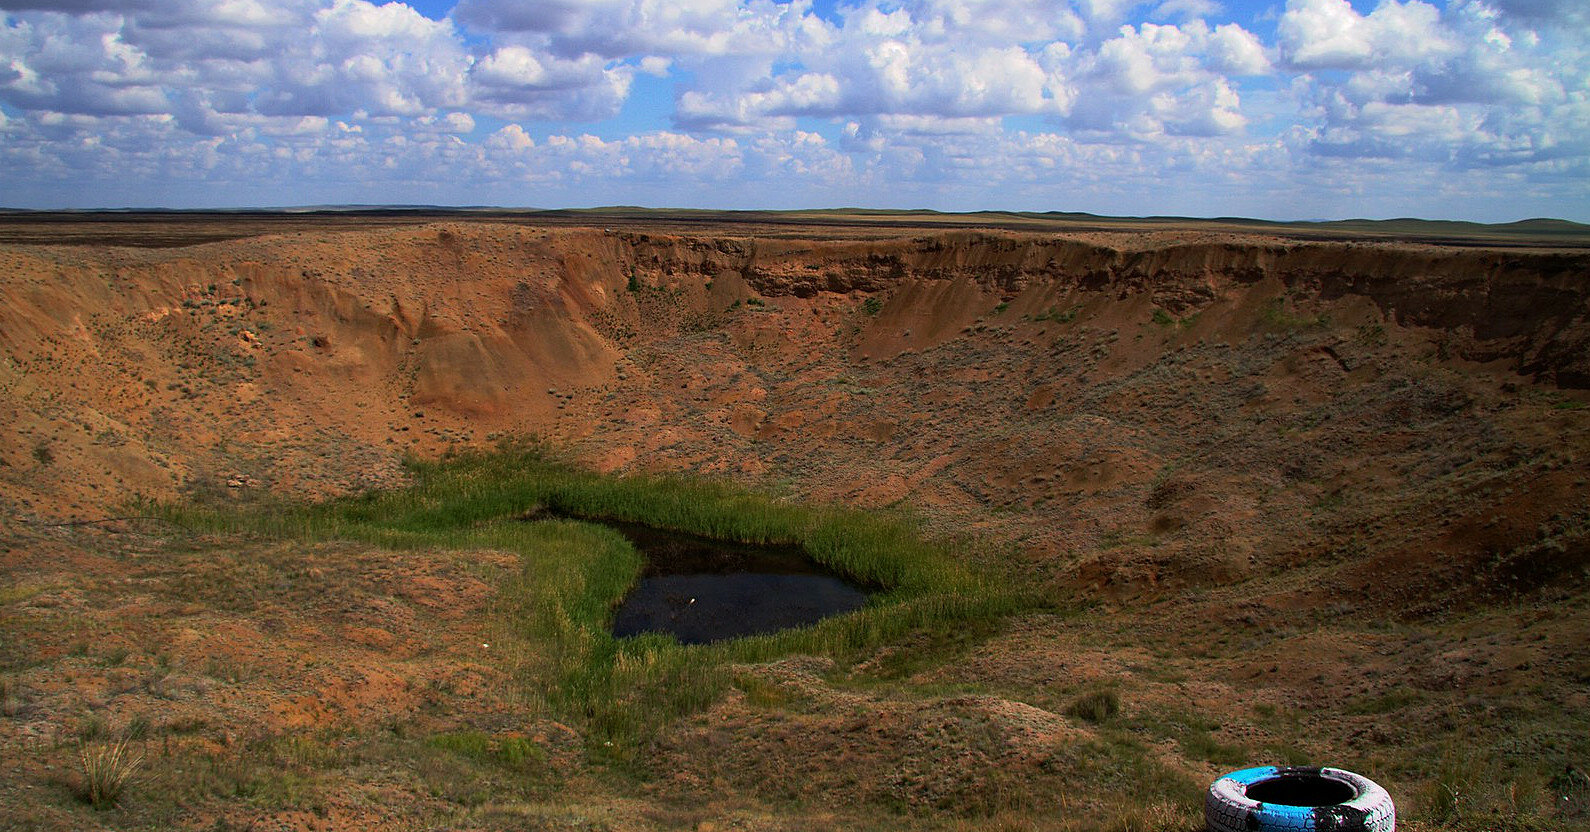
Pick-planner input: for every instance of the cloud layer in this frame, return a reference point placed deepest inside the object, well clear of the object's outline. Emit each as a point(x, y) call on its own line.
point(1473, 109)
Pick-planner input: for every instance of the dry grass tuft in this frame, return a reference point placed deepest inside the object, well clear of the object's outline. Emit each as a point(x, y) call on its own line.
point(108, 768)
point(1095, 706)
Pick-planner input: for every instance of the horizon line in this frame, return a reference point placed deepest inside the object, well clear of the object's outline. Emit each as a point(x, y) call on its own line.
point(1050, 214)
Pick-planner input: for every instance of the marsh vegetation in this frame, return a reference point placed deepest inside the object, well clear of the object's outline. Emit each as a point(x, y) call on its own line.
point(555, 614)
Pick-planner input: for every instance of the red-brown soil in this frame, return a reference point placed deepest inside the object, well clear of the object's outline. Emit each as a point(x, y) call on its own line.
point(1284, 474)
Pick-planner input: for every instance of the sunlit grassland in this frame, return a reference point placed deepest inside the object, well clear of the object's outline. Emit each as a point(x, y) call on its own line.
point(554, 612)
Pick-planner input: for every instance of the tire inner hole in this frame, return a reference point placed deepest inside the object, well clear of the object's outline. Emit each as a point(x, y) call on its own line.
point(1304, 790)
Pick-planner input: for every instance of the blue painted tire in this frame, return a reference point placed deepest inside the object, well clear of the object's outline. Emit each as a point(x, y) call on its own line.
point(1354, 804)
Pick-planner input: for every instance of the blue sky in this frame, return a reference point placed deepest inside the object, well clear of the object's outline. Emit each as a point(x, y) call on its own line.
point(1303, 109)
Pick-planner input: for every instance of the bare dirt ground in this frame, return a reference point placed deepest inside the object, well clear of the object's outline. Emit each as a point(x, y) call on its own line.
point(1295, 500)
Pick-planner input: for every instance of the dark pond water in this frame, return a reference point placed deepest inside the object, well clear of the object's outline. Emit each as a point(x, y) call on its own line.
point(701, 590)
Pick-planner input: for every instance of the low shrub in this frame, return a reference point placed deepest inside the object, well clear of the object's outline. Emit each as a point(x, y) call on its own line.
point(1095, 706)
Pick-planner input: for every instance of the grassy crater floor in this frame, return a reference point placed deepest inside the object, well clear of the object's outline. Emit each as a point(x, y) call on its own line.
point(426, 658)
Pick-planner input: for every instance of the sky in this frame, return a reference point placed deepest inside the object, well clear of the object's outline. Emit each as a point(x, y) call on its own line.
point(1301, 109)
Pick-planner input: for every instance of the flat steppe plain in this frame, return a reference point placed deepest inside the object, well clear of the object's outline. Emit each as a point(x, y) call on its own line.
point(1288, 494)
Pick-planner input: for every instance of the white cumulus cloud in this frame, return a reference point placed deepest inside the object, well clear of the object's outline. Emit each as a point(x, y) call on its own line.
point(935, 100)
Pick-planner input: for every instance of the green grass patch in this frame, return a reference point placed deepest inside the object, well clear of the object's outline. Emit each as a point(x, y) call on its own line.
point(554, 612)
point(510, 752)
point(20, 591)
point(304, 751)
point(1192, 733)
point(1054, 313)
point(1164, 319)
point(1276, 315)
point(1121, 763)
point(932, 648)
point(1393, 700)
point(761, 692)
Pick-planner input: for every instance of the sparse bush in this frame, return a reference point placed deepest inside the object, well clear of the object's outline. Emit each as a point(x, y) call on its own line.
point(1472, 789)
point(138, 728)
point(92, 728)
point(514, 753)
point(475, 745)
point(520, 754)
point(1276, 315)
point(1391, 701)
point(1152, 817)
point(872, 306)
point(1199, 744)
point(303, 751)
point(108, 770)
point(1571, 788)
point(1446, 798)
point(1054, 314)
point(10, 700)
point(761, 692)
point(1095, 706)
point(43, 454)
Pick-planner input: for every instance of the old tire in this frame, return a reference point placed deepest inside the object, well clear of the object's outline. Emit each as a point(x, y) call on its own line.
point(1298, 799)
